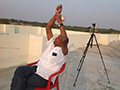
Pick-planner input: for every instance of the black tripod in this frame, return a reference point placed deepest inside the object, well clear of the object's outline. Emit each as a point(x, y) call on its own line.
point(90, 42)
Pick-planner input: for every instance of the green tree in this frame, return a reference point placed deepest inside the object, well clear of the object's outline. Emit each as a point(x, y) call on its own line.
point(4, 21)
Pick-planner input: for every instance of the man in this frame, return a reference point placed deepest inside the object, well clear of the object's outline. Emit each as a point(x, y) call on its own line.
point(31, 77)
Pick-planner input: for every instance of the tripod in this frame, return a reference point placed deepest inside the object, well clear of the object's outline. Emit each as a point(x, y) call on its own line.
point(90, 42)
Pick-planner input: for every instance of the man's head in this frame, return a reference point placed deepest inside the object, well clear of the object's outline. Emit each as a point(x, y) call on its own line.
point(58, 41)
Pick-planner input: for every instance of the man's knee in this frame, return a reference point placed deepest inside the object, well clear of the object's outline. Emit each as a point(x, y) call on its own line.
point(20, 69)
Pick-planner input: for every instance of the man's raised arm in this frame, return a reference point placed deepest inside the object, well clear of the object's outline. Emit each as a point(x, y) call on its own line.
point(49, 26)
point(51, 22)
point(63, 34)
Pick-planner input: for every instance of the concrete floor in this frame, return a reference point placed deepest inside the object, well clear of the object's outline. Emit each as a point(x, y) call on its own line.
point(92, 75)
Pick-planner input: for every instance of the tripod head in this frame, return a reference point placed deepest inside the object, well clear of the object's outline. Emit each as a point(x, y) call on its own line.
point(94, 24)
point(92, 28)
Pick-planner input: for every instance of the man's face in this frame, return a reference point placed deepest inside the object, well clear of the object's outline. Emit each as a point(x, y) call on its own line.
point(58, 40)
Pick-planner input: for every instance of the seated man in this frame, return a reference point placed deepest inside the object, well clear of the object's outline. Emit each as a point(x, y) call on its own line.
point(31, 77)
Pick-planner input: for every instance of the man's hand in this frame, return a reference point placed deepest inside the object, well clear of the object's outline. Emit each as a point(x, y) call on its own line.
point(58, 18)
point(59, 9)
point(58, 14)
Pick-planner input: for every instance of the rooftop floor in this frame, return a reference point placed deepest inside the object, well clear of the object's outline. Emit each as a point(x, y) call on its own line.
point(92, 75)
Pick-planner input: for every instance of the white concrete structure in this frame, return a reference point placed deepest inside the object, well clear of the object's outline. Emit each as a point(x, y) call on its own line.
point(23, 44)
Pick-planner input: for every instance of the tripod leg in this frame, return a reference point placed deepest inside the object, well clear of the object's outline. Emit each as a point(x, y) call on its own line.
point(102, 59)
point(79, 64)
point(90, 40)
point(91, 43)
point(82, 59)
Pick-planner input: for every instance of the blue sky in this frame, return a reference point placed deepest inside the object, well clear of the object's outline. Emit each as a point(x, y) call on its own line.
point(106, 13)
